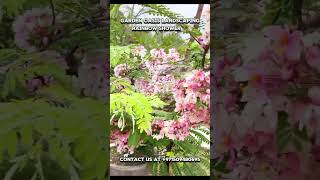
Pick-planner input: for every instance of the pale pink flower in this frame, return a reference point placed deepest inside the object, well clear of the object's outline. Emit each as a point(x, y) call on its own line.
point(139, 51)
point(187, 94)
point(144, 86)
point(158, 54)
point(178, 130)
point(313, 57)
point(287, 73)
point(259, 141)
point(291, 170)
point(286, 43)
point(157, 129)
point(173, 55)
point(121, 141)
point(265, 76)
point(32, 29)
point(121, 70)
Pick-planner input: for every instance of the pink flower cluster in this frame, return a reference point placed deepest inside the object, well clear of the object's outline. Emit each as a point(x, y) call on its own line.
point(160, 82)
point(178, 130)
point(157, 85)
point(160, 54)
point(157, 66)
point(192, 96)
point(251, 91)
point(121, 70)
point(139, 51)
point(158, 129)
point(32, 29)
point(121, 141)
point(144, 86)
point(174, 130)
point(173, 55)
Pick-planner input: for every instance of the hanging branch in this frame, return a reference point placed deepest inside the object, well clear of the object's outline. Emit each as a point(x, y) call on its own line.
point(53, 12)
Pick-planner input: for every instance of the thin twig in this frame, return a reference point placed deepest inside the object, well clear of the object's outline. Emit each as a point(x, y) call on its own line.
point(53, 12)
point(204, 56)
point(297, 11)
point(279, 12)
point(196, 26)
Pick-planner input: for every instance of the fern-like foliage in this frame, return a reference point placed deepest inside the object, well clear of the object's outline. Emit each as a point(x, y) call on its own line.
point(159, 169)
point(23, 66)
point(40, 132)
point(191, 147)
point(119, 54)
point(54, 131)
point(133, 108)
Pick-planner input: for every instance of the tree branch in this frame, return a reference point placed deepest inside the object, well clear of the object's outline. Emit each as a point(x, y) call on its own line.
point(204, 56)
point(196, 26)
point(53, 12)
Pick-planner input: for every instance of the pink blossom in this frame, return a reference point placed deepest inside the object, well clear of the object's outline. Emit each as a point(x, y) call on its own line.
point(260, 141)
point(286, 43)
point(291, 170)
point(32, 29)
point(158, 54)
point(287, 73)
point(266, 76)
point(178, 130)
point(313, 57)
point(139, 51)
point(171, 129)
point(121, 70)
point(187, 93)
point(157, 129)
point(173, 55)
point(247, 104)
point(144, 86)
point(121, 141)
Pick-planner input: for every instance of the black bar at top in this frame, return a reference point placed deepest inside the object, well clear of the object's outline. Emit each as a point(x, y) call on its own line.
point(159, 2)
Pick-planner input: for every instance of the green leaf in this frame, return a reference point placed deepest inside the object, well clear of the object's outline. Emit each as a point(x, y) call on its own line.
point(119, 54)
point(101, 165)
point(301, 134)
point(26, 133)
point(134, 139)
point(11, 143)
point(297, 144)
point(221, 167)
point(13, 7)
point(283, 141)
point(170, 154)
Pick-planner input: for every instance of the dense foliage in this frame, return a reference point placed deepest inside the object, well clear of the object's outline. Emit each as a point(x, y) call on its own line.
point(160, 91)
point(53, 90)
